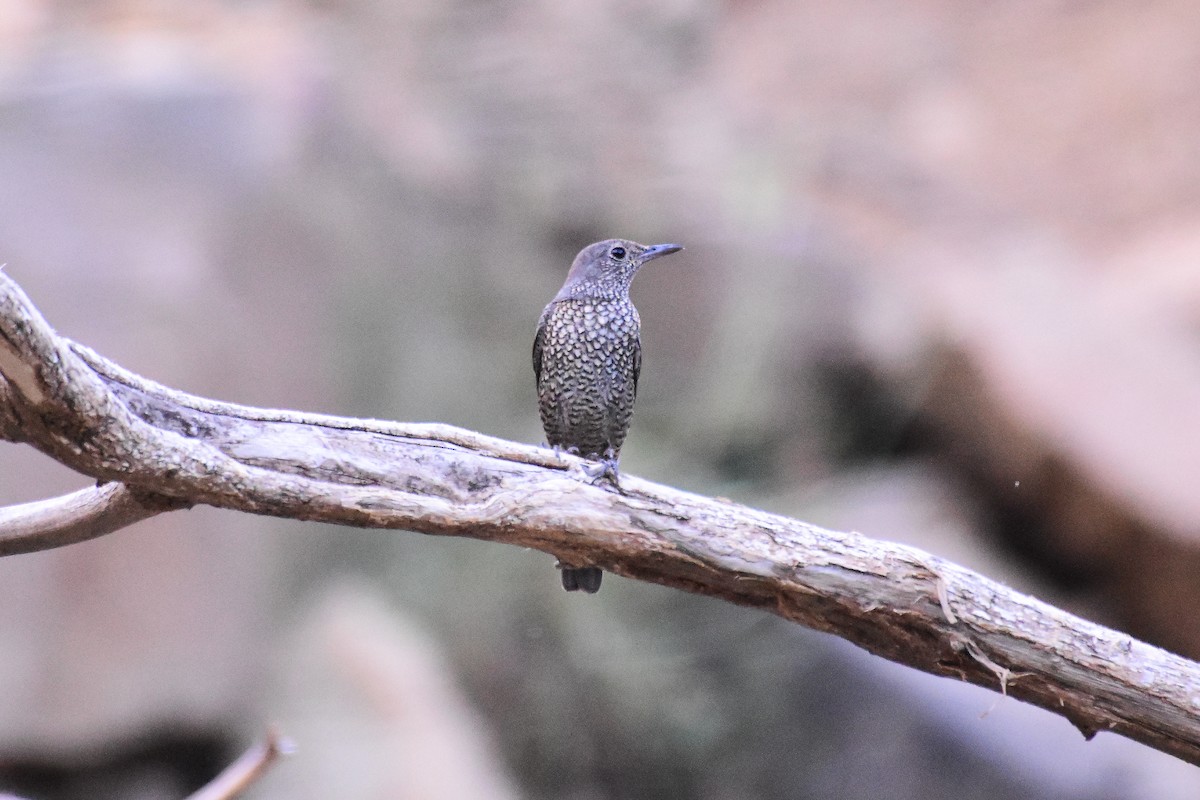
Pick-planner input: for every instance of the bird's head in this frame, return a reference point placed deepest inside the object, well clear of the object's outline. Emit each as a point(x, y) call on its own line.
point(605, 269)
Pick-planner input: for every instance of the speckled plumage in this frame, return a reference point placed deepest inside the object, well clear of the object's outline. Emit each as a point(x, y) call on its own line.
point(587, 356)
point(591, 355)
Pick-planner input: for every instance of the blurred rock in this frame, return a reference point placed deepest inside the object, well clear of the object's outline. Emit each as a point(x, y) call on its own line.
point(375, 711)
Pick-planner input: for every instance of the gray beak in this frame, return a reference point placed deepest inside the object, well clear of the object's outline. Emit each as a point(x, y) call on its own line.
point(656, 250)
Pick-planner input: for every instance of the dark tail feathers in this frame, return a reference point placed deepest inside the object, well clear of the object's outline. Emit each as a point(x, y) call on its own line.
point(582, 579)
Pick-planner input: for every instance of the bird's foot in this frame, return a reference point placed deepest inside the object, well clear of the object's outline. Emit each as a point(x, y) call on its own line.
point(604, 470)
point(581, 579)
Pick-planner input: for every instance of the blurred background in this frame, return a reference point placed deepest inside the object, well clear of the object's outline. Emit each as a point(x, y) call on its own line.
point(940, 287)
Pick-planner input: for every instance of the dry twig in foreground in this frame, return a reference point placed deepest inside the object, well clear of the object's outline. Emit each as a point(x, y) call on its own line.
point(250, 766)
point(165, 449)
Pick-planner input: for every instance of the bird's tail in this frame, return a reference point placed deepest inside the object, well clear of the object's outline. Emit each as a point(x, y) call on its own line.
point(582, 579)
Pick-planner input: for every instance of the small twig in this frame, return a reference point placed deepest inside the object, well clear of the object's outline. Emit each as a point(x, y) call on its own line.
point(76, 517)
point(249, 767)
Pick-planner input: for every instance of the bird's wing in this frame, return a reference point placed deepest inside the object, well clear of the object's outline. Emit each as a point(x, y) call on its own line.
point(538, 339)
point(637, 363)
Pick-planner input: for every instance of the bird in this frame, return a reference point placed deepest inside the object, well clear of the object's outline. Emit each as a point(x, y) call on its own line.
point(587, 356)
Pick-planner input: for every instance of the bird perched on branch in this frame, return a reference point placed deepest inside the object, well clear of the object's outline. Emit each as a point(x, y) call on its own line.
point(587, 355)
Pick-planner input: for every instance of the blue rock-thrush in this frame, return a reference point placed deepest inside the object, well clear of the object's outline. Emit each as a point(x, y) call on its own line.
point(587, 355)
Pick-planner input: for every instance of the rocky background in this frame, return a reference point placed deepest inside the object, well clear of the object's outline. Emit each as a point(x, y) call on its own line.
point(941, 287)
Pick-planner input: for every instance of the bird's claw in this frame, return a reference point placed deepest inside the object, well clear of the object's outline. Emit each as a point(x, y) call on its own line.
point(605, 469)
point(593, 470)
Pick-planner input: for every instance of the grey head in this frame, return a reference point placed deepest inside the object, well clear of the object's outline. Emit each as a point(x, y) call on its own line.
point(605, 269)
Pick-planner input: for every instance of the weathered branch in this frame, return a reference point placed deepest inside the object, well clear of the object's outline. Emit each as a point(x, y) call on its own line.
point(76, 517)
point(892, 600)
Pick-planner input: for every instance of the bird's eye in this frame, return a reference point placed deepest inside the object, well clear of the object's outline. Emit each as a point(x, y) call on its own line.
point(618, 253)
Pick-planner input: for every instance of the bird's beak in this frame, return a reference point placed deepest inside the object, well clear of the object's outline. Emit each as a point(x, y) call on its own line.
point(656, 250)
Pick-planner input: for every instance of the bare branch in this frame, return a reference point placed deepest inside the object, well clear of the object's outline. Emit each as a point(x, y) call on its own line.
point(250, 766)
point(76, 517)
point(894, 601)
point(10, 427)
